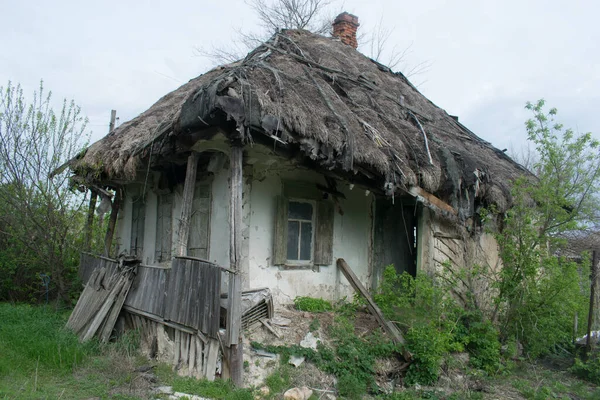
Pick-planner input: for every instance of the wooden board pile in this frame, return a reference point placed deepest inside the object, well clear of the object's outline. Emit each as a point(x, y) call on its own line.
point(101, 301)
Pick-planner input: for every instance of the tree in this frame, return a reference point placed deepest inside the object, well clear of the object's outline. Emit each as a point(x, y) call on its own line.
point(539, 285)
point(273, 15)
point(40, 216)
point(316, 16)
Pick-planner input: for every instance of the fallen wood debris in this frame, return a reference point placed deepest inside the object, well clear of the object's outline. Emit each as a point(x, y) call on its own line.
point(389, 326)
point(100, 303)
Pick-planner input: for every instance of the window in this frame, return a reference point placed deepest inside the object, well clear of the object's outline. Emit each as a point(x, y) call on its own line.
point(300, 221)
point(303, 227)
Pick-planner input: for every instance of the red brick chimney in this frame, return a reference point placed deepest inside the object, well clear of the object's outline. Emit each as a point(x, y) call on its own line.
point(344, 27)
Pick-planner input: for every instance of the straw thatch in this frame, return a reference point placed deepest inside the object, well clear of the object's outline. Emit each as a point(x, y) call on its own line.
point(341, 110)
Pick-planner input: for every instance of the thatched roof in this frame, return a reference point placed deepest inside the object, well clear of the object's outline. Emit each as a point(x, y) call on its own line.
point(341, 110)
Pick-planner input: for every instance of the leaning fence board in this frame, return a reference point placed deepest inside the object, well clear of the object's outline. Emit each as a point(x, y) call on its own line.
point(101, 301)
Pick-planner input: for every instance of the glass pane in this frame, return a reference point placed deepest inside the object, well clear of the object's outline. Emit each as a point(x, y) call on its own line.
point(292, 240)
point(299, 210)
point(305, 240)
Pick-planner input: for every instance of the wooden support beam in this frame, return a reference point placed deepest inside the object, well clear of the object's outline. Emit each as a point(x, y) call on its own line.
point(183, 233)
point(89, 226)
point(112, 222)
point(389, 326)
point(430, 199)
point(234, 309)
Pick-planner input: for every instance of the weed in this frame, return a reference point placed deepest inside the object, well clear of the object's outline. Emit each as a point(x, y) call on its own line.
point(218, 389)
point(351, 359)
point(278, 381)
point(315, 324)
point(312, 304)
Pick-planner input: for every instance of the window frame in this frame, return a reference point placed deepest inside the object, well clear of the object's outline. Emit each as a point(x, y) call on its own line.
point(302, 263)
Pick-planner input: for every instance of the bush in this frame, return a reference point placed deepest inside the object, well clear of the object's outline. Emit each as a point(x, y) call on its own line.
point(588, 370)
point(481, 342)
point(428, 346)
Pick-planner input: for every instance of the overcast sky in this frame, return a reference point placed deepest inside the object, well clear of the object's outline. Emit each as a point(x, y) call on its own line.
point(487, 58)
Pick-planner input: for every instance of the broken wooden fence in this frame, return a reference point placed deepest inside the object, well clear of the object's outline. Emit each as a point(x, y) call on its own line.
point(176, 309)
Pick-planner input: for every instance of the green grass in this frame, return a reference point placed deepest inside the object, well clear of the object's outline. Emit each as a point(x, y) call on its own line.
point(39, 359)
point(35, 336)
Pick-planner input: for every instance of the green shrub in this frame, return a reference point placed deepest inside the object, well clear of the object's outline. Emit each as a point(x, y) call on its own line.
point(480, 338)
point(588, 370)
point(428, 346)
point(312, 304)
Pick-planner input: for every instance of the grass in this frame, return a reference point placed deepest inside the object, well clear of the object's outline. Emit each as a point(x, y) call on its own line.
point(41, 360)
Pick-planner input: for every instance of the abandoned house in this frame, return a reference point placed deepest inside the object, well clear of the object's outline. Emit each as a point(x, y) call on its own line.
point(275, 166)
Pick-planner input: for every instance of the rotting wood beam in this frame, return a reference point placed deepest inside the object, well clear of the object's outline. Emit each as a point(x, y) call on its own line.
point(430, 199)
point(89, 226)
point(112, 222)
point(234, 309)
point(183, 232)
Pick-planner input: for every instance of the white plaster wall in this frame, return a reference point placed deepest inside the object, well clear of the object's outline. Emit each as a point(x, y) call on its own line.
point(351, 241)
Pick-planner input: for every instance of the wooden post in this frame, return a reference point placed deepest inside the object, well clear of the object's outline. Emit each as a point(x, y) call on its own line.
point(183, 232)
point(594, 278)
point(89, 226)
point(234, 313)
point(113, 117)
point(112, 222)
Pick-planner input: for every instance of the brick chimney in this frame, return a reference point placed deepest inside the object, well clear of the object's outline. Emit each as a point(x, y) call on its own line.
point(344, 27)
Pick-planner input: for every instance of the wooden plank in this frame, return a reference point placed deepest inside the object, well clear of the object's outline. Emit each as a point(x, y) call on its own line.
point(112, 222)
point(280, 238)
point(211, 360)
point(199, 354)
point(138, 222)
point(390, 328)
point(89, 225)
point(164, 229)
point(199, 225)
point(116, 309)
point(177, 352)
point(234, 313)
point(323, 254)
point(160, 320)
point(183, 232)
point(430, 199)
point(104, 310)
point(192, 358)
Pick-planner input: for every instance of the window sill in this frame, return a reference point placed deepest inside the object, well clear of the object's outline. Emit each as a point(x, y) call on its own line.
point(290, 267)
